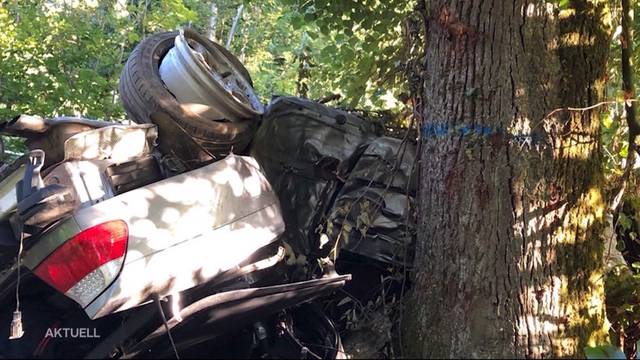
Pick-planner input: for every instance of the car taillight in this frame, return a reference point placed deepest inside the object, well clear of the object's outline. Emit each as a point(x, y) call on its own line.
point(87, 263)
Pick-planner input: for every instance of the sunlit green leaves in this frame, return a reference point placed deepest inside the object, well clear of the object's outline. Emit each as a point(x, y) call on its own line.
point(60, 57)
point(350, 38)
point(604, 352)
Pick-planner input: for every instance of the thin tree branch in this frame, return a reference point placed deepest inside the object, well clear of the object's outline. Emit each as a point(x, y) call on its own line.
point(328, 98)
point(212, 21)
point(602, 103)
point(233, 26)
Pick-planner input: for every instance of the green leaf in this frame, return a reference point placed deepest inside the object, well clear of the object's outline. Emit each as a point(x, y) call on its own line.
point(380, 27)
point(133, 37)
point(297, 22)
point(358, 16)
point(340, 38)
point(347, 53)
point(324, 28)
point(620, 246)
point(328, 51)
point(624, 151)
point(624, 221)
point(607, 351)
point(368, 22)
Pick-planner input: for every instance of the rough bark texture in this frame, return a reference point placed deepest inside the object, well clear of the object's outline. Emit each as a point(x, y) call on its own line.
point(509, 258)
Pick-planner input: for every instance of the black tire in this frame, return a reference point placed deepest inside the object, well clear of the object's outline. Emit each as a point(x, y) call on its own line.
point(145, 97)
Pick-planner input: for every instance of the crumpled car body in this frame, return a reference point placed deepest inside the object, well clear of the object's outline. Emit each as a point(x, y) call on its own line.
point(304, 149)
point(338, 178)
point(179, 232)
point(373, 213)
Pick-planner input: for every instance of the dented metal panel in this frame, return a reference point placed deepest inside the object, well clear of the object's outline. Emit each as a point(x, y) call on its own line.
point(185, 230)
point(304, 149)
point(373, 212)
point(116, 142)
point(335, 174)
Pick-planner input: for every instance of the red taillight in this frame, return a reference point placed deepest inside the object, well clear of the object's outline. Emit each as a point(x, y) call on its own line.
point(83, 254)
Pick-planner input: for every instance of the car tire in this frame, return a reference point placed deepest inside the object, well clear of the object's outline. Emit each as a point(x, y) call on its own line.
point(145, 97)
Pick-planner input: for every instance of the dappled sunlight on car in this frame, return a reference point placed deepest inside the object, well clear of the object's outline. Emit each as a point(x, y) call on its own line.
point(187, 229)
point(206, 256)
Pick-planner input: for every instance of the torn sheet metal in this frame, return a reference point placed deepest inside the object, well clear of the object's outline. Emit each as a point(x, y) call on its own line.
point(372, 214)
point(116, 142)
point(50, 135)
point(305, 148)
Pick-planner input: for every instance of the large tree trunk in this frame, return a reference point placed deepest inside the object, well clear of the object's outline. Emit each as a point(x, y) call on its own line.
point(509, 256)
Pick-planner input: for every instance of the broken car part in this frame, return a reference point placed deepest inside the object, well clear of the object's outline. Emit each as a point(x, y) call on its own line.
point(304, 148)
point(218, 313)
point(38, 205)
point(178, 233)
point(95, 144)
point(49, 135)
point(195, 137)
point(202, 78)
point(372, 213)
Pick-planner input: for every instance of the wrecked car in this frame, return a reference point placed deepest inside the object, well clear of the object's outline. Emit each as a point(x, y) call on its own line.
point(211, 219)
point(105, 228)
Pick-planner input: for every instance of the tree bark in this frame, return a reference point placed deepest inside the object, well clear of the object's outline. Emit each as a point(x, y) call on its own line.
point(213, 20)
point(509, 260)
point(233, 26)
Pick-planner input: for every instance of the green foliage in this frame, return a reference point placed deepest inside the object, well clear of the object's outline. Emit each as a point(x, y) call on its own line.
point(614, 128)
point(56, 58)
point(622, 283)
point(604, 352)
point(623, 296)
point(266, 43)
point(350, 48)
point(64, 57)
point(358, 46)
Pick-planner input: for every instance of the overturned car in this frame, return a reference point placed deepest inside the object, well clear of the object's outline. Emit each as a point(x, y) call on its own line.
point(208, 220)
